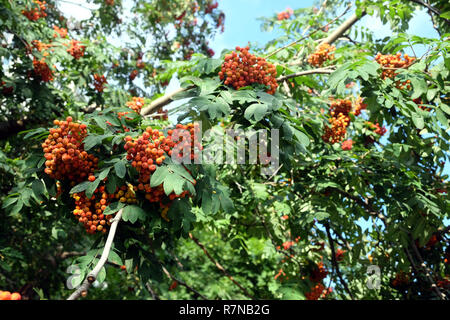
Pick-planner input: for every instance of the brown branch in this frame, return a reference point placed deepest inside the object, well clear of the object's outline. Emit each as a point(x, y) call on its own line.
point(152, 292)
point(184, 284)
point(327, 70)
point(342, 29)
point(162, 101)
point(219, 266)
point(92, 276)
point(429, 7)
point(335, 263)
point(428, 272)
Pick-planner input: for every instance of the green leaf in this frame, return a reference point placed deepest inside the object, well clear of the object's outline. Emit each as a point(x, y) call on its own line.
point(132, 213)
point(158, 176)
point(418, 121)
point(104, 173)
point(91, 187)
point(120, 169)
point(115, 258)
point(80, 187)
point(257, 111)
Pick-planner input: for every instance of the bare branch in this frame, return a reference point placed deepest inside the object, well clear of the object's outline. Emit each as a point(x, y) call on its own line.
point(162, 101)
point(327, 70)
point(83, 289)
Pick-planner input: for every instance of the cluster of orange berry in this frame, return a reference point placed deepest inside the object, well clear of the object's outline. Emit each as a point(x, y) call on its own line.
point(339, 120)
point(90, 211)
point(99, 82)
point(6, 295)
point(149, 150)
point(242, 69)
point(61, 32)
point(41, 67)
point(391, 62)
point(75, 50)
point(64, 152)
point(187, 140)
point(136, 104)
point(35, 13)
point(317, 292)
point(284, 15)
point(323, 53)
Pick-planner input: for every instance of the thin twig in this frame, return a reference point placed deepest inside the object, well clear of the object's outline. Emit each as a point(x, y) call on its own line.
point(184, 284)
point(307, 36)
point(219, 266)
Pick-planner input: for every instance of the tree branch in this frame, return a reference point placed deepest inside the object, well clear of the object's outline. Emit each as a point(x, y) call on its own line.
point(83, 289)
point(225, 272)
point(168, 274)
point(342, 28)
point(326, 70)
point(162, 101)
point(335, 263)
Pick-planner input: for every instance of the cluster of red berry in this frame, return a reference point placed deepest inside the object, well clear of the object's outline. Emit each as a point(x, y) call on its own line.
point(339, 255)
point(133, 74)
point(242, 69)
point(64, 152)
point(284, 15)
point(347, 145)
point(36, 13)
point(75, 50)
point(6, 90)
point(323, 53)
point(99, 82)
